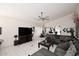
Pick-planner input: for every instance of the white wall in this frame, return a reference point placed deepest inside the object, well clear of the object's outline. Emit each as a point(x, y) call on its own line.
point(63, 22)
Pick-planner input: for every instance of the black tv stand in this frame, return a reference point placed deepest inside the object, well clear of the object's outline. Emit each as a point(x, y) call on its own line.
point(23, 39)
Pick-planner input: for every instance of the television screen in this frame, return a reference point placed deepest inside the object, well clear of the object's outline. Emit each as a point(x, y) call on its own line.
point(24, 31)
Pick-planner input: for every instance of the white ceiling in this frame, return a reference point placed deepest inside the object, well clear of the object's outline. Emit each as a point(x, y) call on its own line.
point(31, 11)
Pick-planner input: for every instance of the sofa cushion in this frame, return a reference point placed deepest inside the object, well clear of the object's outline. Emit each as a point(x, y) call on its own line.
point(65, 38)
point(71, 51)
point(55, 40)
point(64, 45)
point(59, 51)
point(62, 37)
point(76, 43)
point(68, 38)
point(62, 48)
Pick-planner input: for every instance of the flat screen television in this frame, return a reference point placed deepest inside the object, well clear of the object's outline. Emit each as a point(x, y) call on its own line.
point(24, 31)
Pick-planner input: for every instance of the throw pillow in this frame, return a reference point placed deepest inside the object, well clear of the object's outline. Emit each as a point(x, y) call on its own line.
point(71, 51)
point(62, 37)
point(64, 45)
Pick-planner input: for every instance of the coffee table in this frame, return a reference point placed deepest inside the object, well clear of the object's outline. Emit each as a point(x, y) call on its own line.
point(46, 44)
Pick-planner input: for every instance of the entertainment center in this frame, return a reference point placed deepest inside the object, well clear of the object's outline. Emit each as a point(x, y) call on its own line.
point(24, 35)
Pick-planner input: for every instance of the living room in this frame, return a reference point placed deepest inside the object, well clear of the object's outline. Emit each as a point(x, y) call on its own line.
point(13, 16)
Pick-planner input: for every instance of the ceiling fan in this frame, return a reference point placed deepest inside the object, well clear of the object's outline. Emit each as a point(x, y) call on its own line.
point(42, 17)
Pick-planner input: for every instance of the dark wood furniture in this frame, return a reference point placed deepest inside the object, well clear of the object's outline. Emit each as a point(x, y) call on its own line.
point(23, 39)
point(45, 43)
point(24, 35)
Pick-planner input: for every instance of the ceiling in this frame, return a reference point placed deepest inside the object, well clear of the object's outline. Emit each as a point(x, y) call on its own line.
point(31, 11)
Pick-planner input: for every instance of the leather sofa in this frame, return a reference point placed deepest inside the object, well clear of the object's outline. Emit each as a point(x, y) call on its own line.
point(56, 39)
point(63, 47)
point(60, 50)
